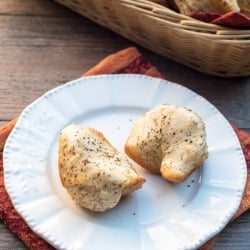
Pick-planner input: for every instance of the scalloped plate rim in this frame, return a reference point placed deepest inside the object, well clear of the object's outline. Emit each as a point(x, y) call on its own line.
point(120, 77)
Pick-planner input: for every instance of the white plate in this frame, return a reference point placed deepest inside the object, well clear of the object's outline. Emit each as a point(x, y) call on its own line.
point(160, 215)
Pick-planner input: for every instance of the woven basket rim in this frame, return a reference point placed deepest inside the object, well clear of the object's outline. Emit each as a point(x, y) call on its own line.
point(208, 48)
point(222, 35)
point(186, 22)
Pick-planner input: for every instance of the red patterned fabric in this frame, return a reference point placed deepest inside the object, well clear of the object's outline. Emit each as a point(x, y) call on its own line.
point(245, 143)
point(141, 66)
point(231, 19)
point(204, 16)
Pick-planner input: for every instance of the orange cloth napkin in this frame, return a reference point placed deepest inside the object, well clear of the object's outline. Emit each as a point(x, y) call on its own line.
point(126, 61)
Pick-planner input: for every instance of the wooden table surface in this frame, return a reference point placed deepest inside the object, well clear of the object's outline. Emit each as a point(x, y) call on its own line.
point(43, 45)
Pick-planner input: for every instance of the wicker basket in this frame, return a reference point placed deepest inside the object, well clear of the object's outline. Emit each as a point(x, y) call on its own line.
point(208, 48)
